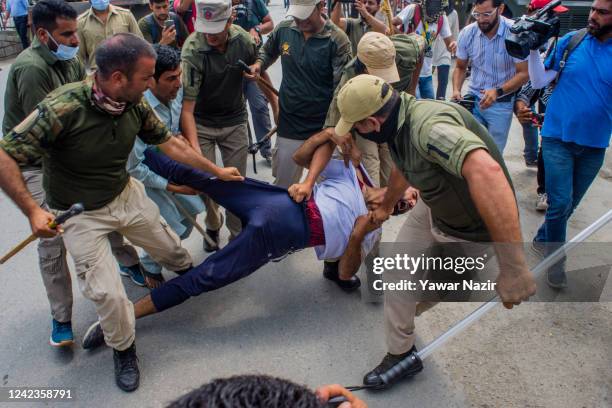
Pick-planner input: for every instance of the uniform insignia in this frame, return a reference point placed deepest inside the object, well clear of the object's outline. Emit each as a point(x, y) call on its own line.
point(285, 49)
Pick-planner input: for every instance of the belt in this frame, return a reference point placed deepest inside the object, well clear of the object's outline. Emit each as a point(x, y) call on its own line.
point(506, 98)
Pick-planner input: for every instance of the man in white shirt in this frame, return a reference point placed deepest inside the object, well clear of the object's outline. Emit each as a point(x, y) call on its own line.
point(428, 21)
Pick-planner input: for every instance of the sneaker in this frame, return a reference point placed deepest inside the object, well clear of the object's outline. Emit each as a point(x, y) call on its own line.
point(556, 277)
point(61, 334)
point(94, 337)
point(134, 273)
point(531, 163)
point(127, 374)
point(268, 158)
point(542, 203)
point(538, 248)
point(330, 271)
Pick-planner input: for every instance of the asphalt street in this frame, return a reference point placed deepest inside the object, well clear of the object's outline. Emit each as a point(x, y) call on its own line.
point(286, 320)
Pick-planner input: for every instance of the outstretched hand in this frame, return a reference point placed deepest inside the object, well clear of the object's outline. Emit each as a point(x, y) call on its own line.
point(300, 192)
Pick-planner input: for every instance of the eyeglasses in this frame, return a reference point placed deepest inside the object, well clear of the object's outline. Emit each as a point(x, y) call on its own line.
point(486, 14)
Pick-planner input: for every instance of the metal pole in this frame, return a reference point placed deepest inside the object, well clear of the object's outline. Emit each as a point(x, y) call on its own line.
point(484, 308)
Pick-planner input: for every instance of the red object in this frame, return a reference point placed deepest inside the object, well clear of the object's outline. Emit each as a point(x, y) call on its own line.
point(315, 223)
point(538, 4)
point(189, 22)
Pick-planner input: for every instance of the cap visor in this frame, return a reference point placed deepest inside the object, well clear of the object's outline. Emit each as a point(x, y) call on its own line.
point(560, 9)
point(389, 74)
point(343, 127)
point(300, 12)
point(209, 27)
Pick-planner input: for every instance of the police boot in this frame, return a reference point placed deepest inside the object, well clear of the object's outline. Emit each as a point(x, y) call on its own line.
point(127, 375)
point(393, 368)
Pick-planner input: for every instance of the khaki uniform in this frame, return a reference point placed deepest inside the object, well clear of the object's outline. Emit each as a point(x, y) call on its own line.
point(376, 158)
point(92, 31)
point(215, 82)
point(430, 151)
point(85, 151)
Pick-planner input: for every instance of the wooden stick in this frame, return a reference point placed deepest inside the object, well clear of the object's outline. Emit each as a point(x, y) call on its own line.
point(18, 248)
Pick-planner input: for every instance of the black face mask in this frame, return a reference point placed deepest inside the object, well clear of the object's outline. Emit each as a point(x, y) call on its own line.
point(387, 130)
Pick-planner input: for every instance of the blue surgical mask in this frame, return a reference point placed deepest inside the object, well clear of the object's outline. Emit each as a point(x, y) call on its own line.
point(100, 5)
point(63, 52)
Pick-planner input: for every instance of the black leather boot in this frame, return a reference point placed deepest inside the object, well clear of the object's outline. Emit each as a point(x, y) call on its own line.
point(330, 271)
point(214, 235)
point(393, 368)
point(127, 375)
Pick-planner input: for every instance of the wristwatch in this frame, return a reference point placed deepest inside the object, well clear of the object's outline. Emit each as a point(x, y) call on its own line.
point(500, 92)
point(257, 29)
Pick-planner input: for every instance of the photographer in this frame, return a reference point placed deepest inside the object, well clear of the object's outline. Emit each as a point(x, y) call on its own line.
point(578, 122)
point(253, 16)
point(355, 28)
point(163, 26)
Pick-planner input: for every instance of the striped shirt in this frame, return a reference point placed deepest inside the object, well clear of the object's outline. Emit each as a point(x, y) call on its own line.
point(492, 66)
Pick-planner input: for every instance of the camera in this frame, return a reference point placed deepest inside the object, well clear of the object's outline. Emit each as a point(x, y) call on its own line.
point(241, 11)
point(531, 32)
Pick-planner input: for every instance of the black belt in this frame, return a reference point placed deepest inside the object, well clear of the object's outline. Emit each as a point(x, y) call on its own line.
point(506, 98)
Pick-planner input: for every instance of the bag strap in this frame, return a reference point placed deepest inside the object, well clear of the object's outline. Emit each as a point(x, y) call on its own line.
point(571, 45)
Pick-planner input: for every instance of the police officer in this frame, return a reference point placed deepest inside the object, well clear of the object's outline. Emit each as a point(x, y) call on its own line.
point(85, 132)
point(214, 111)
point(466, 196)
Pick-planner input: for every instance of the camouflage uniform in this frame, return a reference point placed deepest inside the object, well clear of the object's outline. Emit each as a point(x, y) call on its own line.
point(85, 151)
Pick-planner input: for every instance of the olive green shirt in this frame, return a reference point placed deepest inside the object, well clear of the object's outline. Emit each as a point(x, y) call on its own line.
point(92, 31)
point(430, 147)
point(408, 49)
point(355, 29)
point(311, 72)
point(35, 73)
point(214, 80)
point(84, 149)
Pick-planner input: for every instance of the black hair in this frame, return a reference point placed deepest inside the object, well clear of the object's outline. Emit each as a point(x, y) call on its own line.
point(249, 391)
point(158, 1)
point(168, 59)
point(388, 107)
point(121, 52)
point(46, 12)
point(496, 3)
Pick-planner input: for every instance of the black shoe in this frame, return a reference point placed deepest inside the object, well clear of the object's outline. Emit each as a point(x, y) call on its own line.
point(127, 375)
point(214, 235)
point(556, 278)
point(393, 368)
point(330, 271)
point(94, 337)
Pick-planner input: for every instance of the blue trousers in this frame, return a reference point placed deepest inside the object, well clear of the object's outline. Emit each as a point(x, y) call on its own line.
point(425, 89)
point(497, 118)
point(273, 225)
point(530, 136)
point(21, 26)
point(443, 71)
point(260, 114)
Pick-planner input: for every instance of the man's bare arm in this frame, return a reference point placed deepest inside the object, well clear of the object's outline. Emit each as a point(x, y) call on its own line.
point(496, 204)
point(518, 80)
point(13, 185)
point(336, 16)
point(305, 153)
point(396, 188)
point(459, 77)
point(178, 150)
point(188, 124)
point(351, 258)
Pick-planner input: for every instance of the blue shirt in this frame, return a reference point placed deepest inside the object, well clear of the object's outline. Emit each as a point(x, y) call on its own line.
point(17, 8)
point(169, 115)
point(580, 107)
point(492, 66)
point(340, 202)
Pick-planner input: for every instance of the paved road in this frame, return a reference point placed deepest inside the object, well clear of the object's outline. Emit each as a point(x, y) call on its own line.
point(285, 320)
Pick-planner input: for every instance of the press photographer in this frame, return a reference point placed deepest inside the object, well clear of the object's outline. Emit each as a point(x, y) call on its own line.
point(578, 122)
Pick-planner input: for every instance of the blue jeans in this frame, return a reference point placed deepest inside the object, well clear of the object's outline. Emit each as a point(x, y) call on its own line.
point(260, 115)
point(530, 136)
point(497, 119)
point(569, 170)
point(442, 81)
point(425, 90)
point(21, 26)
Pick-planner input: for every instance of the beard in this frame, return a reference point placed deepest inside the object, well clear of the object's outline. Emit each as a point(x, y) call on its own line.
point(487, 27)
point(598, 31)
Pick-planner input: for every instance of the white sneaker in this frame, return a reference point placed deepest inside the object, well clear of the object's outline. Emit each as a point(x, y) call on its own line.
point(542, 203)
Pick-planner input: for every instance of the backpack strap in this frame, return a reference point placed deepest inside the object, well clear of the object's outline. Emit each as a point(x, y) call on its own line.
point(415, 20)
point(571, 45)
point(440, 24)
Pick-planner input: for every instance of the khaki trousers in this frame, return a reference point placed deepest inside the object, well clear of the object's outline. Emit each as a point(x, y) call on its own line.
point(233, 144)
point(376, 158)
point(284, 170)
point(400, 308)
point(52, 256)
point(135, 216)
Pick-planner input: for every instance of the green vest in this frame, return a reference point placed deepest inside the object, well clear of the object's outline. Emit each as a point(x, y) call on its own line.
point(426, 163)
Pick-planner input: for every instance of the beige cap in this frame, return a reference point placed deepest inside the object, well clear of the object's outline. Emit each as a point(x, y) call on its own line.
point(377, 53)
point(301, 9)
point(212, 15)
point(359, 98)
